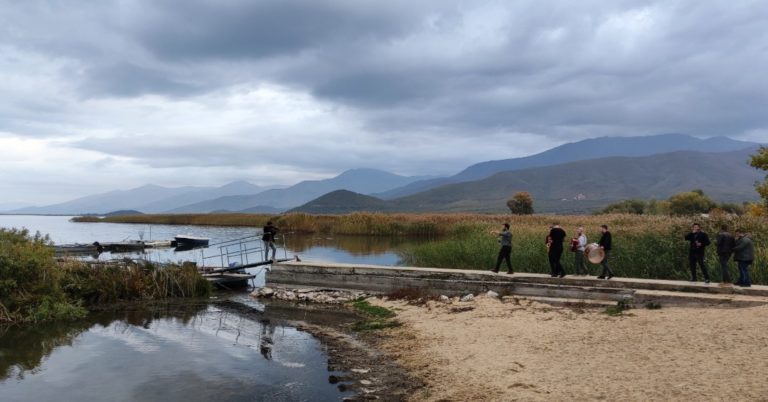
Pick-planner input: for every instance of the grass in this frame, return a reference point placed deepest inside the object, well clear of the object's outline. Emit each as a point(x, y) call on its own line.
point(34, 287)
point(375, 317)
point(644, 246)
point(619, 309)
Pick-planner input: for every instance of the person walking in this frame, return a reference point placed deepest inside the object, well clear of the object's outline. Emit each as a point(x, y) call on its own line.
point(268, 237)
point(579, 244)
point(555, 245)
point(699, 241)
point(505, 239)
point(606, 244)
point(744, 254)
point(725, 243)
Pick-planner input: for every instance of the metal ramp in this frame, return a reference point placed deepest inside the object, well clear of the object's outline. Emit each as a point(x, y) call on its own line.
point(225, 262)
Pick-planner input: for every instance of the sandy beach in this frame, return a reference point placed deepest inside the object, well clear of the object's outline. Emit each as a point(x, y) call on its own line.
point(517, 349)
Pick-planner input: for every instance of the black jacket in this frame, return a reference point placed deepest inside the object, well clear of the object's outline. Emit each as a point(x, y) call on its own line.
point(725, 243)
point(606, 240)
point(557, 235)
point(700, 237)
point(269, 233)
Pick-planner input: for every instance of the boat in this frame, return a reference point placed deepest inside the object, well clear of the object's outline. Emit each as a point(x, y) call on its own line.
point(188, 242)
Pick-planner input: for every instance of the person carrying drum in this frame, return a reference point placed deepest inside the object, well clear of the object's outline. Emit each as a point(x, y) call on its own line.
point(606, 245)
point(697, 251)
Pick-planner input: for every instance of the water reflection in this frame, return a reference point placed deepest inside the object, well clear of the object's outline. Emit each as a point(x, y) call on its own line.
point(166, 353)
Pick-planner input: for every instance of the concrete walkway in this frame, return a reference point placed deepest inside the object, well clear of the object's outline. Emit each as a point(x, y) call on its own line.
point(458, 282)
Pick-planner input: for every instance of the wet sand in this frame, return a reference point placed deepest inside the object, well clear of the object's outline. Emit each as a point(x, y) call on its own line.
point(517, 349)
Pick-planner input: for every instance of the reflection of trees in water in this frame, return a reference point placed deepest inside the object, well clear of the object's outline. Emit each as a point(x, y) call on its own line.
point(22, 349)
point(354, 245)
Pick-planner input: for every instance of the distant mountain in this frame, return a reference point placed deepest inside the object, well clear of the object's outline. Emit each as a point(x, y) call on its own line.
point(578, 151)
point(343, 202)
point(203, 194)
point(123, 212)
point(723, 176)
point(363, 181)
point(149, 198)
point(578, 187)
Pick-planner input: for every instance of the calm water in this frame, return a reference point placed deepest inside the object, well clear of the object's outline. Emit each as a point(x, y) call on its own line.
point(346, 249)
point(197, 353)
point(183, 353)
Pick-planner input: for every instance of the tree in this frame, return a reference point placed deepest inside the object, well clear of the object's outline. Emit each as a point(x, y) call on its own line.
point(626, 207)
point(690, 203)
point(521, 203)
point(760, 161)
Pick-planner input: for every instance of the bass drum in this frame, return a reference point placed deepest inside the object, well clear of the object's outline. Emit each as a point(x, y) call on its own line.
point(594, 253)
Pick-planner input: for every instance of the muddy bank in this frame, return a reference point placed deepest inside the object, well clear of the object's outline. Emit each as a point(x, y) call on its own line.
point(372, 375)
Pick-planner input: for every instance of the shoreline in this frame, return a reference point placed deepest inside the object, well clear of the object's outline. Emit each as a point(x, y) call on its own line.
point(516, 349)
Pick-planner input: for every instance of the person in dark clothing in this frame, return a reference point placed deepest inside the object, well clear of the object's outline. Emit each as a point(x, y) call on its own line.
point(606, 244)
point(269, 240)
point(555, 244)
point(725, 243)
point(697, 251)
point(505, 239)
point(744, 254)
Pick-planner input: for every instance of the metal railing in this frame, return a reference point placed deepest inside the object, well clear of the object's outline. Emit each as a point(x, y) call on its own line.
point(241, 252)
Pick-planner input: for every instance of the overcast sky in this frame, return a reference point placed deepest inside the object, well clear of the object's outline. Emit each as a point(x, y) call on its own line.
point(103, 95)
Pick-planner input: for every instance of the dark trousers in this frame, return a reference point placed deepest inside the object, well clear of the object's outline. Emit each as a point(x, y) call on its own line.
point(581, 268)
point(606, 270)
point(504, 254)
point(724, 258)
point(744, 273)
point(555, 268)
point(693, 260)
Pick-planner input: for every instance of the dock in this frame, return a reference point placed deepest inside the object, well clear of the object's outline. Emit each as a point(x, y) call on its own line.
point(458, 282)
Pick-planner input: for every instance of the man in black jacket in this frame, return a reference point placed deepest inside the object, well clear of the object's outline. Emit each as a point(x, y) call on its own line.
point(268, 237)
point(725, 243)
point(555, 246)
point(696, 253)
point(605, 243)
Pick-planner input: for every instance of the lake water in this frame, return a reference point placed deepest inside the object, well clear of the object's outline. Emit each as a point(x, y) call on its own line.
point(345, 249)
point(198, 352)
point(194, 352)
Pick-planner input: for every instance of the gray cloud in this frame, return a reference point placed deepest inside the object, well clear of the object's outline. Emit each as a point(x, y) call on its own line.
point(387, 84)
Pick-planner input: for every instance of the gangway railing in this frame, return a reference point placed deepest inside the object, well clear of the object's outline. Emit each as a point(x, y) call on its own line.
point(242, 252)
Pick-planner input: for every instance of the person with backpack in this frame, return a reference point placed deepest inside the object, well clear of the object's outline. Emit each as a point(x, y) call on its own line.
point(268, 237)
point(606, 244)
point(555, 250)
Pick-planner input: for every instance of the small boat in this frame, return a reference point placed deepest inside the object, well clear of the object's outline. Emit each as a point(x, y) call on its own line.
point(190, 242)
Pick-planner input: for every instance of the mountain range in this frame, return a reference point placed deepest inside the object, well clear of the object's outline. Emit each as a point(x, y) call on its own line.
point(596, 171)
point(575, 187)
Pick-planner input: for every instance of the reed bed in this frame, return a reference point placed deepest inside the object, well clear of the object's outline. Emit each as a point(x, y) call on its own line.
point(35, 287)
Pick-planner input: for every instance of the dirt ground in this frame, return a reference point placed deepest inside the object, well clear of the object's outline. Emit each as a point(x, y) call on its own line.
point(523, 350)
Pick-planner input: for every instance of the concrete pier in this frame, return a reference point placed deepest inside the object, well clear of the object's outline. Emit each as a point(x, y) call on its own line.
point(454, 282)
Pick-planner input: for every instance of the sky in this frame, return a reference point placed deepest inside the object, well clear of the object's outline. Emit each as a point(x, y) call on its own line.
point(104, 95)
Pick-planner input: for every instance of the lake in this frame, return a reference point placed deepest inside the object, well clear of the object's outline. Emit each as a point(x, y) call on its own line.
point(345, 249)
point(195, 351)
point(189, 352)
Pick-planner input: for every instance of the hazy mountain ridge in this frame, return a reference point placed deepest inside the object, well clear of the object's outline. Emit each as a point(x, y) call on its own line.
point(587, 185)
point(361, 181)
point(592, 148)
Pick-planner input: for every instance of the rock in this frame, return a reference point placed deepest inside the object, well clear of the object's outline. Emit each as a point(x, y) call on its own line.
point(445, 299)
point(467, 298)
point(365, 382)
point(289, 295)
point(361, 371)
point(303, 290)
point(492, 294)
